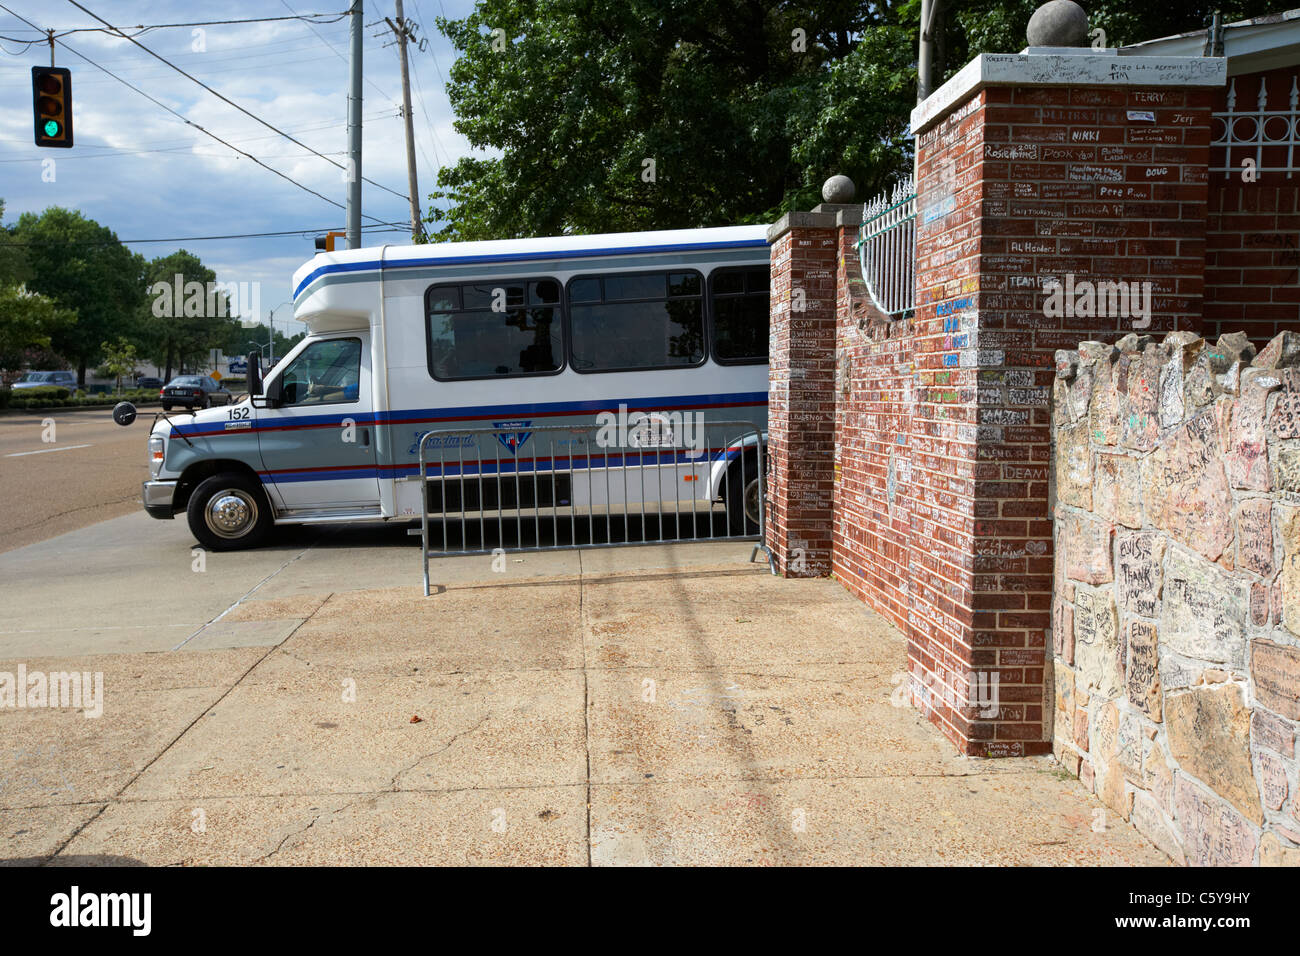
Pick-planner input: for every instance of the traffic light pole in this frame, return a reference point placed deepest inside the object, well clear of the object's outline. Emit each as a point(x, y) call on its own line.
point(354, 133)
point(417, 229)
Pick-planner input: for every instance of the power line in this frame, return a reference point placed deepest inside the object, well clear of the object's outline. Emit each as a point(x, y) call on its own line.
point(180, 150)
point(429, 124)
point(145, 28)
point(305, 233)
point(167, 145)
point(335, 51)
point(231, 102)
point(190, 122)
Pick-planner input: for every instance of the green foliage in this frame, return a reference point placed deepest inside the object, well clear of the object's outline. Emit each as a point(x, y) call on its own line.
point(740, 125)
point(82, 267)
point(27, 402)
point(182, 332)
point(120, 359)
point(27, 321)
point(45, 391)
point(737, 121)
point(5, 395)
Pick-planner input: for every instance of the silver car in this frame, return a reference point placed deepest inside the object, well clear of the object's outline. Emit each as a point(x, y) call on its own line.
point(47, 379)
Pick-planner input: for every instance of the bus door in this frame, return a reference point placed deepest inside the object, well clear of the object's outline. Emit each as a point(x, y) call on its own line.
point(318, 444)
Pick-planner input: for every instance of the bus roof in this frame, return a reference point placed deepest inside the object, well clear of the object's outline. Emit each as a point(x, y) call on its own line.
point(377, 258)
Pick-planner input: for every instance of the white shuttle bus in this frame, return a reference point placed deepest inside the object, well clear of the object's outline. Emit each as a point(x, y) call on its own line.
point(511, 336)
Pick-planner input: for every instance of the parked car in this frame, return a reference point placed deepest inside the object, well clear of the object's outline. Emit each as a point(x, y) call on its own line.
point(148, 381)
point(193, 391)
point(47, 380)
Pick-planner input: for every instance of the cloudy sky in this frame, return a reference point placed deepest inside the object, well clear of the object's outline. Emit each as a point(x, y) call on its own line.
point(147, 175)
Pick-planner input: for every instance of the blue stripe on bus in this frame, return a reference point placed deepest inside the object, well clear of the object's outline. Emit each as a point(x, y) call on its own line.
point(521, 257)
point(478, 412)
point(505, 466)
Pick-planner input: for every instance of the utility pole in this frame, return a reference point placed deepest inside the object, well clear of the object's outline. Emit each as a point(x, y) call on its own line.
point(925, 53)
point(354, 133)
point(403, 31)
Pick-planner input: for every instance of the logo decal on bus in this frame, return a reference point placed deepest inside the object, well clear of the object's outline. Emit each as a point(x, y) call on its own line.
point(513, 440)
point(453, 440)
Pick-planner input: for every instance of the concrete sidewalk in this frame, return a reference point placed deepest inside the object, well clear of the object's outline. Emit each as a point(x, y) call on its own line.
point(631, 708)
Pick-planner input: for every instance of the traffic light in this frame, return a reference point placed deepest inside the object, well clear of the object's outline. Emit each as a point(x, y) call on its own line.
point(52, 103)
point(325, 243)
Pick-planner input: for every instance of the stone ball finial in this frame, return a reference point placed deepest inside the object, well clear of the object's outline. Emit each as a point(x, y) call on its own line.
point(1058, 23)
point(838, 189)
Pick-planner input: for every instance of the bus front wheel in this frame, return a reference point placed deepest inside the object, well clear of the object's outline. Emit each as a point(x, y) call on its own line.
point(229, 512)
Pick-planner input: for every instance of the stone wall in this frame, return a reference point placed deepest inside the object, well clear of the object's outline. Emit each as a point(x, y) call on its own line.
point(1176, 599)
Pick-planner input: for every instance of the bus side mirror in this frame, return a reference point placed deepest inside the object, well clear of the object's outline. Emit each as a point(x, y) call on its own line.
point(254, 366)
point(270, 393)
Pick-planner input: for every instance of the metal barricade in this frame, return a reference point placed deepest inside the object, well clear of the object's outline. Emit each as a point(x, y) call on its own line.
point(666, 479)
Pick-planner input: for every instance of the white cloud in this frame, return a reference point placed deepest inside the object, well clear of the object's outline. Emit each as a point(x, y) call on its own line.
point(145, 174)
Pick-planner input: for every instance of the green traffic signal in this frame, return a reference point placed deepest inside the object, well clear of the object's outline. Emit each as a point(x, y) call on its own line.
point(52, 105)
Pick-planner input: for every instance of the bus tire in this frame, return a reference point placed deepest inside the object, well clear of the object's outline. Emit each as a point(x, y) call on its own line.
point(229, 512)
point(742, 501)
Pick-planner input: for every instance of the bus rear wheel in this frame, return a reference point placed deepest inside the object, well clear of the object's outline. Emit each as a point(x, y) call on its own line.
point(229, 512)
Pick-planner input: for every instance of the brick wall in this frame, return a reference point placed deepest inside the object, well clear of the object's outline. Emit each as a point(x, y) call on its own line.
point(940, 425)
point(1022, 188)
point(1176, 631)
point(1252, 278)
point(801, 402)
point(872, 532)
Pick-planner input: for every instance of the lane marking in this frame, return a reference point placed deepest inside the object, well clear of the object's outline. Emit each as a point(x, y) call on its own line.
point(43, 451)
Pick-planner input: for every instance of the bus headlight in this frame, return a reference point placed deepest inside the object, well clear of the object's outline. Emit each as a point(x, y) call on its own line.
point(156, 449)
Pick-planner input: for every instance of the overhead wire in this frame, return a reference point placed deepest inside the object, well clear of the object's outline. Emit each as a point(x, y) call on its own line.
point(230, 102)
point(190, 122)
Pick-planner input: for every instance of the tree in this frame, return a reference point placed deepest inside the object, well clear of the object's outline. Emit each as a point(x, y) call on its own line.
point(185, 316)
point(120, 358)
point(594, 116)
point(82, 267)
point(28, 320)
point(666, 113)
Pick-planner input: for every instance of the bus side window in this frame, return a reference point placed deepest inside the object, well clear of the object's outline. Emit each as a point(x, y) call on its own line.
point(739, 308)
point(636, 321)
point(494, 328)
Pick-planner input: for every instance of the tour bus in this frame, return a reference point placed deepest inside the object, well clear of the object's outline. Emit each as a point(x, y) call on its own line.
point(510, 336)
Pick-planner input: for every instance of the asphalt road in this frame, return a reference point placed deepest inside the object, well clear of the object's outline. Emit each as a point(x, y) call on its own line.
point(90, 472)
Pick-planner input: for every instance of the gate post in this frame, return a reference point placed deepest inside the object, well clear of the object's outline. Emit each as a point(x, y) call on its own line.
point(801, 402)
point(1036, 172)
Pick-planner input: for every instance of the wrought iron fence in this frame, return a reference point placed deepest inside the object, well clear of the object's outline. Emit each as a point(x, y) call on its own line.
point(1250, 131)
point(887, 249)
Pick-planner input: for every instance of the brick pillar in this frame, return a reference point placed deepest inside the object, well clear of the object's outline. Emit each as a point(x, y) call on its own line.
point(801, 400)
point(1084, 176)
